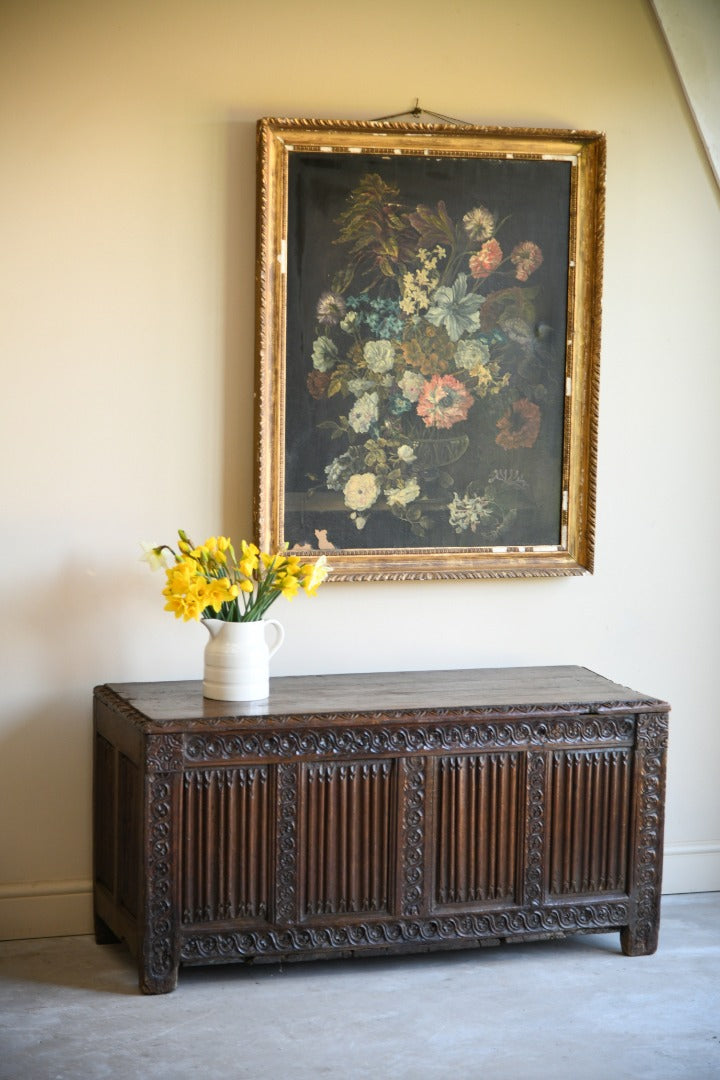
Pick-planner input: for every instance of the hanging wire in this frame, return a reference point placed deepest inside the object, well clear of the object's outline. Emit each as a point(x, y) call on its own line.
point(417, 112)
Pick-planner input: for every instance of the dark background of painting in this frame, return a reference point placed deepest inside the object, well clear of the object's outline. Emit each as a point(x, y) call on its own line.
point(534, 196)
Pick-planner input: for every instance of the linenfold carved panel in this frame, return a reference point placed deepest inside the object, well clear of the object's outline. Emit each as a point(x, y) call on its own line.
point(225, 838)
point(347, 839)
point(588, 827)
point(477, 828)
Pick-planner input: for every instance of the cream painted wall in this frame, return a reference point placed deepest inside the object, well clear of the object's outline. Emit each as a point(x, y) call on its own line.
point(126, 344)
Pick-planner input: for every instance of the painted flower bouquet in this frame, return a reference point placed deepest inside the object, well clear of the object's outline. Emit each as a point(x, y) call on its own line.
point(428, 344)
point(212, 581)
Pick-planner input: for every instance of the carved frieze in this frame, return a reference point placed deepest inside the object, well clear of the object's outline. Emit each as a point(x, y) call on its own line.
point(209, 947)
point(406, 739)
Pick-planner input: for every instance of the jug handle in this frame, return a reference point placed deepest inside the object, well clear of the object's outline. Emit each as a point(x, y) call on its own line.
point(280, 636)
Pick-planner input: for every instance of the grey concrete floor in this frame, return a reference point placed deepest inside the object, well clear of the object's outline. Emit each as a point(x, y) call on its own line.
point(569, 1010)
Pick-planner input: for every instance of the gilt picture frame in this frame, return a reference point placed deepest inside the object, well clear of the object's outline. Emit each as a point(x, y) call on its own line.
point(427, 347)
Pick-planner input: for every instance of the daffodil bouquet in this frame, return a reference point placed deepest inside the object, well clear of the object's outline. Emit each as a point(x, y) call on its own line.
point(212, 582)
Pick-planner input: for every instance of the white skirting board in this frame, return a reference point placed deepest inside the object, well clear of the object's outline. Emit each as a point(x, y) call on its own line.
point(691, 867)
point(64, 908)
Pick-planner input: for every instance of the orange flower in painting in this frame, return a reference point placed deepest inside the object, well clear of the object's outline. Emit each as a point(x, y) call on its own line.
point(520, 426)
point(443, 402)
point(487, 259)
point(526, 258)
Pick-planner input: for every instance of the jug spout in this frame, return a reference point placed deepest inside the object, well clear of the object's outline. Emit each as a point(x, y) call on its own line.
point(213, 626)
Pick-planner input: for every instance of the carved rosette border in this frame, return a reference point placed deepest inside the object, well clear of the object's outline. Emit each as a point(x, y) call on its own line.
point(535, 828)
point(164, 753)
point(413, 834)
point(200, 948)
point(652, 738)
point(160, 960)
point(407, 738)
point(286, 858)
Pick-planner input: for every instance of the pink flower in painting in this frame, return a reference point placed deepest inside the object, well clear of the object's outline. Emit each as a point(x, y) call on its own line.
point(526, 257)
point(487, 259)
point(443, 401)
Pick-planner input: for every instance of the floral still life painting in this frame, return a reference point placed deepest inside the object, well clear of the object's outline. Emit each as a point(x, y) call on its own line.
point(427, 322)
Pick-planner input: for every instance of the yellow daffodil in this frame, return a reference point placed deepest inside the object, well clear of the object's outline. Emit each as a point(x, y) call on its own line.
point(287, 585)
point(314, 574)
point(209, 581)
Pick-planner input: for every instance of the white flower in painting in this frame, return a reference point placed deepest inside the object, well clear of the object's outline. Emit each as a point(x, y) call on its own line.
point(361, 491)
point(364, 413)
point(406, 453)
point(379, 355)
point(360, 386)
point(336, 473)
point(324, 353)
point(466, 512)
point(330, 308)
point(411, 384)
point(402, 496)
point(472, 354)
point(479, 223)
point(455, 308)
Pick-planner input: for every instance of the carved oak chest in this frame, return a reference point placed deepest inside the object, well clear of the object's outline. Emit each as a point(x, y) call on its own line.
point(374, 814)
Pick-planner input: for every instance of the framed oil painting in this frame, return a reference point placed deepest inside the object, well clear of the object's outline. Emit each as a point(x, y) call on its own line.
point(428, 333)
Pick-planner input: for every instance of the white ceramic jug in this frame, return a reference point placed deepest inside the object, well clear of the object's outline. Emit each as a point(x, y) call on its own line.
point(237, 659)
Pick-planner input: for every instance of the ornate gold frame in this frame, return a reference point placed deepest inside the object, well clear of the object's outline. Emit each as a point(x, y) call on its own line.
point(277, 141)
